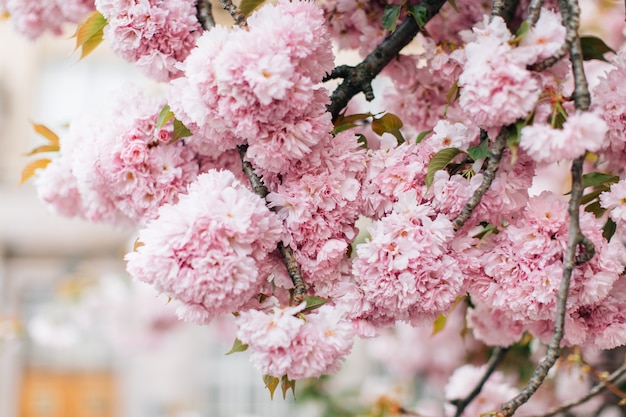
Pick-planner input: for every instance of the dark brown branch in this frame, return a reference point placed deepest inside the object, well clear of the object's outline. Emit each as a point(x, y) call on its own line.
point(496, 358)
point(259, 188)
point(497, 149)
point(597, 389)
point(235, 13)
point(359, 79)
point(569, 261)
point(205, 14)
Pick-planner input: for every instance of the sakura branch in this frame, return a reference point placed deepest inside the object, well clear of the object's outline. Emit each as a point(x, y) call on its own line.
point(359, 79)
point(504, 8)
point(205, 14)
point(497, 149)
point(235, 13)
point(534, 9)
point(496, 358)
point(611, 380)
point(569, 262)
point(293, 268)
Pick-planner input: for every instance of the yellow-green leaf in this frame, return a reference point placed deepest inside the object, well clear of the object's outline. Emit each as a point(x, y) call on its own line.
point(271, 382)
point(439, 324)
point(439, 161)
point(52, 137)
point(43, 149)
point(313, 302)
point(180, 131)
point(165, 116)
point(238, 346)
point(287, 384)
point(89, 32)
point(29, 170)
point(248, 6)
point(91, 44)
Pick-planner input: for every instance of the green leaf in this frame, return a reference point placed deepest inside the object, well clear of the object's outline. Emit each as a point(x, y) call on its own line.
point(248, 6)
point(488, 230)
point(479, 151)
point(420, 14)
point(287, 384)
point(596, 209)
point(422, 135)
point(271, 382)
point(594, 48)
point(238, 346)
point(439, 324)
point(587, 198)
point(89, 32)
point(390, 17)
point(453, 93)
point(165, 116)
point(313, 303)
point(454, 6)
point(598, 178)
point(439, 161)
point(180, 131)
point(609, 229)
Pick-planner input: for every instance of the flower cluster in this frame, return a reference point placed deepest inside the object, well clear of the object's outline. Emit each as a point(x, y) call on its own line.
point(520, 273)
point(33, 17)
point(259, 87)
point(405, 270)
point(118, 167)
point(208, 251)
point(154, 34)
point(283, 342)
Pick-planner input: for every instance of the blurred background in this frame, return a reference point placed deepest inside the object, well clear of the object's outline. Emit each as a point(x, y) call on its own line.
point(77, 337)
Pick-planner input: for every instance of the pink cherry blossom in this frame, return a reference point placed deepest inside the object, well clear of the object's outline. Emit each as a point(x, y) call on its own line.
point(154, 34)
point(34, 17)
point(207, 250)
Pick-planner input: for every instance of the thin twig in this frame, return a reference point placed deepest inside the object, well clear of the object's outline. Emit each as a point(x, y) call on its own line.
point(235, 13)
point(359, 79)
point(259, 187)
point(597, 389)
point(497, 149)
point(504, 8)
point(569, 261)
point(534, 10)
point(496, 358)
point(205, 14)
point(293, 268)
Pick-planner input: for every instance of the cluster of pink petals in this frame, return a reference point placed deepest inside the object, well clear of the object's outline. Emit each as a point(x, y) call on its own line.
point(582, 131)
point(615, 202)
point(496, 87)
point(609, 99)
point(319, 200)
point(118, 167)
point(34, 17)
point(208, 250)
point(521, 269)
point(283, 342)
point(260, 87)
point(391, 172)
point(154, 34)
point(405, 270)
